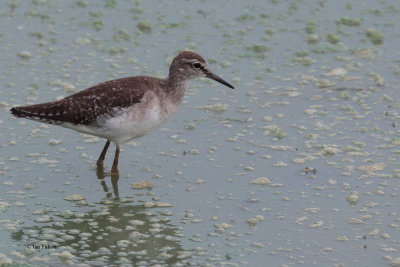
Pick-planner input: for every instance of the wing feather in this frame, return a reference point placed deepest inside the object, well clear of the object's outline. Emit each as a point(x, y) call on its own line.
point(86, 106)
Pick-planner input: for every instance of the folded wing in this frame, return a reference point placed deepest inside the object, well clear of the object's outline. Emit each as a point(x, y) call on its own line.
point(86, 106)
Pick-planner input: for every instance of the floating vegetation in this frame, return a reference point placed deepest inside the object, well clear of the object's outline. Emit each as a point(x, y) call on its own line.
point(110, 3)
point(80, 3)
point(217, 108)
point(174, 25)
point(122, 35)
point(276, 131)
point(245, 18)
point(75, 197)
point(256, 219)
point(376, 37)
point(323, 83)
point(136, 10)
point(25, 55)
point(116, 50)
point(349, 21)
point(144, 26)
point(336, 72)
point(313, 38)
point(304, 60)
point(333, 38)
point(369, 52)
point(258, 48)
point(38, 35)
point(378, 79)
point(143, 185)
point(36, 14)
point(97, 24)
point(261, 181)
point(329, 48)
point(311, 27)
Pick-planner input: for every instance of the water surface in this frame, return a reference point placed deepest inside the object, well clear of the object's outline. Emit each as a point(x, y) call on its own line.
point(297, 166)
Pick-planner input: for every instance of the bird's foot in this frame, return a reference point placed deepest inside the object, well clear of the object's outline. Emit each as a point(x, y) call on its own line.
point(100, 172)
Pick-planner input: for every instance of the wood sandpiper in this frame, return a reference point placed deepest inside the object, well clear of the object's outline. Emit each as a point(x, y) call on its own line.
point(123, 109)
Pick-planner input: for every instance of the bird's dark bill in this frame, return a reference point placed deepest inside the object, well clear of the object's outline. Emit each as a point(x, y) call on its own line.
point(219, 79)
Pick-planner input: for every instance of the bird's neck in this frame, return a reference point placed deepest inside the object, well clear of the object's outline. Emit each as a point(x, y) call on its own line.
point(176, 85)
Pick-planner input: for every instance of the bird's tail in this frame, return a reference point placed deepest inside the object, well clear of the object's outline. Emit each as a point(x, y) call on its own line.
point(19, 112)
point(40, 112)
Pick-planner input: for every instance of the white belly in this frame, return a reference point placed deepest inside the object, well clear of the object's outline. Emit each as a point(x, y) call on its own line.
point(129, 123)
point(132, 125)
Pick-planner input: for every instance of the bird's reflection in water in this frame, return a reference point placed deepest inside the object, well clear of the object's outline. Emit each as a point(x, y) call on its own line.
point(101, 174)
point(118, 231)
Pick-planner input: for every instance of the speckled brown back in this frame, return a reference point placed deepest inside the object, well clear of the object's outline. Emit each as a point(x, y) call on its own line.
point(86, 106)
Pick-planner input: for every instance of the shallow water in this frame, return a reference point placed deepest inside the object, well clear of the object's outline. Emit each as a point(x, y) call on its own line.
point(297, 166)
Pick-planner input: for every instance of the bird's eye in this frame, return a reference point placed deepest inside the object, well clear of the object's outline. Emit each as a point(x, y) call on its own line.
point(197, 66)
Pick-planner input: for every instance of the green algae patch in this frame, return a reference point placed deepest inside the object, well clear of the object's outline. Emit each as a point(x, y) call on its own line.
point(261, 181)
point(245, 18)
point(378, 79)
point(330, 48)
point(276, 131)
point(110, 3)
point(13, 5)
point(181, 24)
point(354, 22)
point(217, 108)
point(313, 38)
point(96, 22)
point(374, 36)
point(258, 48)
point(80, 3)
point(122, 35)
point(25, 55)
point(311, 27)
point(324, 83)
point(144, 26)
point(302, 58)
point(38, 35)
point(368, 52)
point(333, 38)
point(116, 50)
point(136, 10)
point(301, 53)
point(36, 14)
point(257, 51)
point(143, 185)
point(76, 197)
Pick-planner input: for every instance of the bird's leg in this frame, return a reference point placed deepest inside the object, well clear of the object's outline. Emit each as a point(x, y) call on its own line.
point(114, 168)
point(103, 154)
